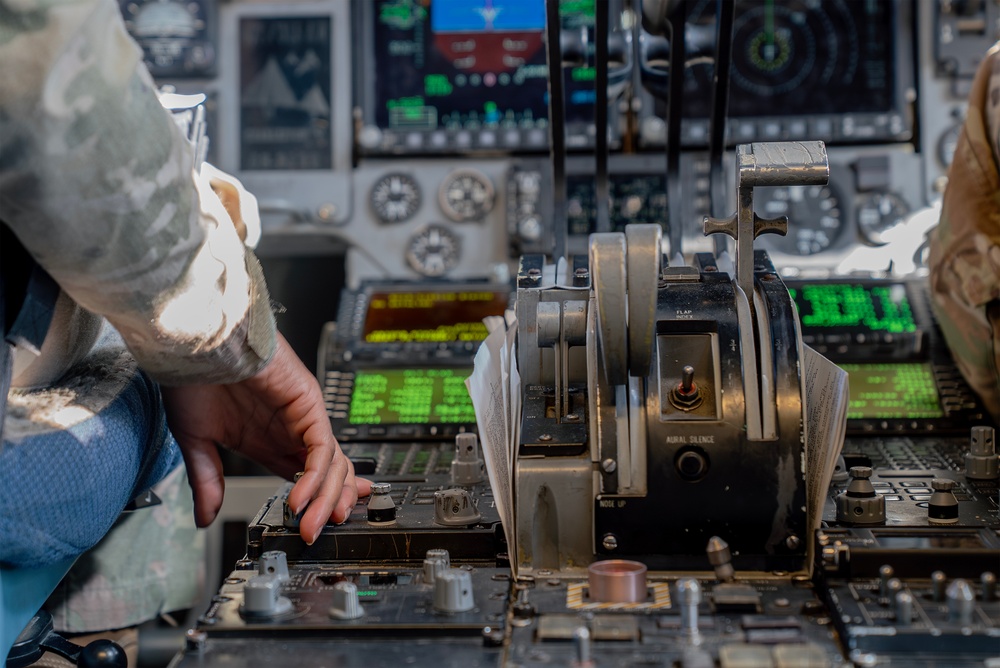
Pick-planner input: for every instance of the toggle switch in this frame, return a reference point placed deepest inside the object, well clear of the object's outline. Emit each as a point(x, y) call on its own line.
point(686, 396)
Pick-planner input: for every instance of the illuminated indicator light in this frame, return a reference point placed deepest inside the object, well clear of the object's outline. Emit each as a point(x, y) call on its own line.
point(405, 102)
point(367, 593)
point(576, 7)
point(437, 85)
point(584, 74)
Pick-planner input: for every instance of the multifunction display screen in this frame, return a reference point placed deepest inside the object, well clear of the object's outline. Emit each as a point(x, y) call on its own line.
point(411, 396)
point(854, 308)
point(892, 391)
point(470, 64)
point(284, 95)
point(797, 57)
point(430, 317)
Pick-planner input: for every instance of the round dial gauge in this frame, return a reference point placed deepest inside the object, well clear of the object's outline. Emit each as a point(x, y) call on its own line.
point(174, 35)
point(395, 197)
point(814, 217)
point(433, 251)
point(466, 195)
point(947, 145)
point(879, 214)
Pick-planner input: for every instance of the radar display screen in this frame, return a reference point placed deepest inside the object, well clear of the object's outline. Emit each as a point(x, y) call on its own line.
point(892, 391)
point(854, 308)
point(797, 57)
point(431, 317)
point(411, 396)
point(469, 64)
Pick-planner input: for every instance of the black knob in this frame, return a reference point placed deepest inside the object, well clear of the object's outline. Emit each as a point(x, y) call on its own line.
point(103, 653)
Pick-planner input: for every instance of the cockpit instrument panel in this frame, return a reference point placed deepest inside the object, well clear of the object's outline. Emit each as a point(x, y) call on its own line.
point(177, 37)
point(860, 320)
point(901, 376)
point(285, 93)
point(836, 71)
point(426, 316)
point(454, 76)
point(892, 391)
point(409, 396)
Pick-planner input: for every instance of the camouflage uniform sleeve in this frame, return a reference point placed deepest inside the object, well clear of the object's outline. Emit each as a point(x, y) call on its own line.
point(965, 246)
point(98, 183)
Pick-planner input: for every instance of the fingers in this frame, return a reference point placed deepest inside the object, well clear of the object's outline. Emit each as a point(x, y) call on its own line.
point(204, 469)
point(338, 491)
point(316, 474)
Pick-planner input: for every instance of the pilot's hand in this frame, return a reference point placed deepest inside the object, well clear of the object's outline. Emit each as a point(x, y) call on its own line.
point(278, 419)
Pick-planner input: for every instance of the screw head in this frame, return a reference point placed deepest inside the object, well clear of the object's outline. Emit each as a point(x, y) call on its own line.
point(609, 465)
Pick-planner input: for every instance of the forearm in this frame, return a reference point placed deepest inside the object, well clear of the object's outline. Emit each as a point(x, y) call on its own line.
point(99, 186)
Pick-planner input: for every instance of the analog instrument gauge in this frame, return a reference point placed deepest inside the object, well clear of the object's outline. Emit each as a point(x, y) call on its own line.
point(814, 217)
point(176, 36)
point(948, 143)
point(465, 195)
point(395, 198)
point(433, 251)
point(879, 214)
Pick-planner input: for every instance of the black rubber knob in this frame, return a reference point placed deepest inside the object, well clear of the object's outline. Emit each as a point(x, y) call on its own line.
point(103, 654)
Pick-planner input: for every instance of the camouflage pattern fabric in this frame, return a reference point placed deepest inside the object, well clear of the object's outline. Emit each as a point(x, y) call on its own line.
point(150, 563)
point(97, 182)
point(965, 246)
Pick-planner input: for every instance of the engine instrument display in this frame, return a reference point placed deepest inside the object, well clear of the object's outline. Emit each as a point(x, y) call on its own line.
point(892, 391)
point(430, 317)
point(411, 396)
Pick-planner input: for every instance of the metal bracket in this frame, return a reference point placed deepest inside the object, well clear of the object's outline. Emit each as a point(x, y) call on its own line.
point(766, 164)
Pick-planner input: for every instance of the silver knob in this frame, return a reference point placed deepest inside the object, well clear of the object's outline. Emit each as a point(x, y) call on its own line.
point(274, 562)
point(467, 468)
point(345, 603)
point(262, 597)
point(961, 601)
point(453, 591)
point(435, 563)
point(454, 507)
